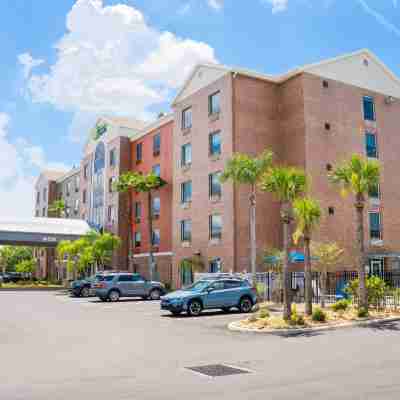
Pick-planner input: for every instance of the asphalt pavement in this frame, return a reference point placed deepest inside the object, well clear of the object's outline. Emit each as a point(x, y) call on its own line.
point(53, 347)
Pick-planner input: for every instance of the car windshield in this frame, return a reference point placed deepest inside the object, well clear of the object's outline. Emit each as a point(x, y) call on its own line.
point(198, 286)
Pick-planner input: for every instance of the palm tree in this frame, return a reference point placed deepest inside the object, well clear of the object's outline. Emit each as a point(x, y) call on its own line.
point(58, 208)
point(143, 184)
point(307, 212)
point(287, 184)
point(359, 176)
point(246, 170)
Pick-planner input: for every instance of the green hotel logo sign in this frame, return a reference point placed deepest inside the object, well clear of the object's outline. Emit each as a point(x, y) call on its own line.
point(99, 130)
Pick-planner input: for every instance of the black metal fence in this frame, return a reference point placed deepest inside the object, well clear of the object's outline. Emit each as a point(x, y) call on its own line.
point(269, 286)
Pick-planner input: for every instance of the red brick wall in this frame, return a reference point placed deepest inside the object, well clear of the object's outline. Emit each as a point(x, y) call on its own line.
point(164, 223)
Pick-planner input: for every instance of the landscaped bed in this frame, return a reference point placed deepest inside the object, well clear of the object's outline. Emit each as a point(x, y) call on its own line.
point(265, 321)
point(31, 285)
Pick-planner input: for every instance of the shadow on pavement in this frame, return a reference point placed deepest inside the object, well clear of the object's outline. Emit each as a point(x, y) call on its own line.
point(202, 315)
point(385, 326)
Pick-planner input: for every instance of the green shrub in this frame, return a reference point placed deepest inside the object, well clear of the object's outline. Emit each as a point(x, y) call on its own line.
point(260, 288)
point(264, 313)
point(341, 305)
point(362, 312)
point(318, 315)
point(295, 318)
point(376, 288)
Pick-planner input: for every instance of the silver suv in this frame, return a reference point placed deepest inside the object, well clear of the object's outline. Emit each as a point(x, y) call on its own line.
point(114, 286)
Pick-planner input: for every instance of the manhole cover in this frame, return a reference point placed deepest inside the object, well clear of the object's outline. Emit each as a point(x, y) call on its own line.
point(215, 370)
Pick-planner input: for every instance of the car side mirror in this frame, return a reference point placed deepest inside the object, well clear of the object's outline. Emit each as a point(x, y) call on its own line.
point(209, 290)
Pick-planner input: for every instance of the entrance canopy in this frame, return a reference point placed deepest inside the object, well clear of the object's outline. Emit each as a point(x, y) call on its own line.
point(41, 232)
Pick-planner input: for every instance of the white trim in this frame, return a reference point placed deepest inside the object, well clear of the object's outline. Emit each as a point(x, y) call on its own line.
point(163, 253)
point(290, 74)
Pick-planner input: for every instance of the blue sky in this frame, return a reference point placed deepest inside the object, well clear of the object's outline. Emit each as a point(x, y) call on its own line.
point(67, 61)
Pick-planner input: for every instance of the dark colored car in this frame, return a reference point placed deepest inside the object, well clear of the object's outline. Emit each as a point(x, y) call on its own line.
point(84, 287)
point(114, 286)
point(223, 293)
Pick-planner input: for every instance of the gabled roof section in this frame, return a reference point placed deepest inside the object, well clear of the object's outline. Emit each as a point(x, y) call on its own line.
point(49, 176)
point(351, 68)
point(362, 69)
point(158, 123)
point(202, 75)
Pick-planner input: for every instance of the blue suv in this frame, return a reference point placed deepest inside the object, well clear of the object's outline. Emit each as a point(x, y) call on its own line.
point(221, 294)
point(114, 286)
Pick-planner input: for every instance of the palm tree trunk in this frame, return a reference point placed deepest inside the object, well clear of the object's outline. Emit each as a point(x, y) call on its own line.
point(150, 223)
point(287, 307)
point(363, 296)
point(253, 239)
point(307, 275)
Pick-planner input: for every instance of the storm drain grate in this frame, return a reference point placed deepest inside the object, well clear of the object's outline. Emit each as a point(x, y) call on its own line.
point(216, 370)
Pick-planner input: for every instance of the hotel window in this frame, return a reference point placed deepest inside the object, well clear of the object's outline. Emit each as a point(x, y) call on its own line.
point(214, 185)
point(138, 239)
point(138, 211)
point(37, 213)
point(186, 192)
point(76, 208)
point(156, 207)
point(369, 108)
point(44, 194)
point(156, 170)
point(84, 197)
point(370, 145)
point(139, 151)
point(214, 104)
point(111, 184)
point(186, 155)
point(187, 118)
point(214, 144)
point(113, 158)
point(85, 171)
point(186, 230)
point(77, 183)
point(375, 226)
point(215, 226)
point(155, 237)
point(156, 144)
point(215, 265)
point(68, 188)
point(44, 212)
point(374, 192)
point(37, 197)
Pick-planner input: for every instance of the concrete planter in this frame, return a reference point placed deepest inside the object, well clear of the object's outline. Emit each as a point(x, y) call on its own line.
point(234, 326)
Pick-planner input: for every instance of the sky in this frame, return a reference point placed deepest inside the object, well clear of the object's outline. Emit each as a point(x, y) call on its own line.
point(66, 62)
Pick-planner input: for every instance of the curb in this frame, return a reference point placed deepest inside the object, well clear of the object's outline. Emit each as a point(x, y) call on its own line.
point(233, 326)
point(32, 289)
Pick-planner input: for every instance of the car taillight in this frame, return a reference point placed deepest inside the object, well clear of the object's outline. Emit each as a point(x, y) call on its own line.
point(100, 285)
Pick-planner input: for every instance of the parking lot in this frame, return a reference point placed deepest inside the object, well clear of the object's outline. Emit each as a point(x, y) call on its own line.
point(56, 347)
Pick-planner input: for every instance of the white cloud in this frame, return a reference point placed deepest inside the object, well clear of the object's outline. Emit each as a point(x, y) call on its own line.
point(28, 63)
point(380, 18)
point(216, 4)
point(17, 160)
point(112, 61)
point(277, 5)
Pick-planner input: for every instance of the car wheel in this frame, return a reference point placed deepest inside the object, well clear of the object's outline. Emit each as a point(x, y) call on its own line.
point(155, 294)
point(114, 295)
point(245, 305)
point(85, 292)
point(226, 309)
point(195, 308)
